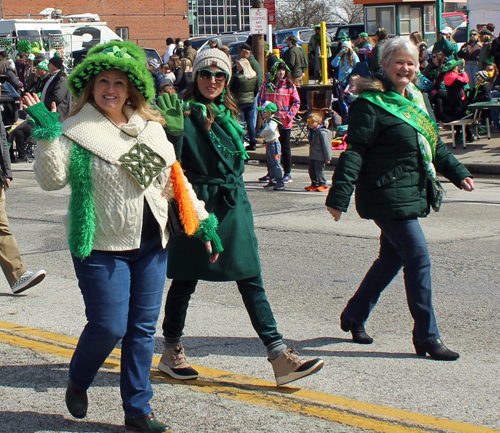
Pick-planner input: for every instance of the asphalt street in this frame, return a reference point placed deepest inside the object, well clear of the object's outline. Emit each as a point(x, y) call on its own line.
point(311, 266)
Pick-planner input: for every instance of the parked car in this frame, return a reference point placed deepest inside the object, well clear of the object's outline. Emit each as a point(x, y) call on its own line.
point(453, 19)
point(10, 103)
point(151, 53)
point(225, 39)
point(344, 31)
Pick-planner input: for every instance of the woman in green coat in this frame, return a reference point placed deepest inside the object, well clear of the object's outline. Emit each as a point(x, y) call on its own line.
point(393, 153)
point(212, 154)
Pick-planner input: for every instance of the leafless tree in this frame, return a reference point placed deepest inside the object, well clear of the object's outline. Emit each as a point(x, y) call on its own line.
point(305, 13)
point(346, 10)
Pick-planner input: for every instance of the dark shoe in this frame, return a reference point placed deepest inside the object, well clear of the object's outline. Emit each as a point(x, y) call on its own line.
point(148, 424)
point(265, 178)
point(76, 401)
point(279, 187)
point(436, 349)
point(270, 185)
point(358, 332)
point(252, 147)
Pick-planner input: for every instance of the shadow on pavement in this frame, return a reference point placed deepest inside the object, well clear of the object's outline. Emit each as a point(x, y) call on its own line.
point(28, 422)
point(253, 347)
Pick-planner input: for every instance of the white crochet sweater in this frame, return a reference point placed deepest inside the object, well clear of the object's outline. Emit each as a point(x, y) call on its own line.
point(119, 198)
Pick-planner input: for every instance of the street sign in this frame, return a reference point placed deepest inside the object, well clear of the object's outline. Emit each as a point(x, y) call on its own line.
point(270, 5)
point(258, 21)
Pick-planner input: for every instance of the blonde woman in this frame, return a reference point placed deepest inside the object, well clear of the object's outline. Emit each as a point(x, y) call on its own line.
point(187, 74)
point(244, 88)
point(345, 61)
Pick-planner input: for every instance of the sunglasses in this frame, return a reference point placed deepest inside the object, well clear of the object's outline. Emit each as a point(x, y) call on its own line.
point(311, 121)
point(207, 74)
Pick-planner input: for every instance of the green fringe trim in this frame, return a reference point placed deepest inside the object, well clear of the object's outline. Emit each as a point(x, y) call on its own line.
point(48, 133)
point(81, 205)
point(207, 232)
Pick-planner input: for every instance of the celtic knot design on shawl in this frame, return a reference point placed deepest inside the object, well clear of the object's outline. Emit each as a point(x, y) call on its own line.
point(142, 163)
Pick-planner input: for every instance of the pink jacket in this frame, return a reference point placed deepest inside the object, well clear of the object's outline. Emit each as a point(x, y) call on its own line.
point(285, 96)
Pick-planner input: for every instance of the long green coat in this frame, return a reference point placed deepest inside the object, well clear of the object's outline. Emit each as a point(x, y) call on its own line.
point(217, 178)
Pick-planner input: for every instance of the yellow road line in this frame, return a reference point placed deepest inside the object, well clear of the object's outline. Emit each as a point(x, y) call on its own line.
point(264, 393)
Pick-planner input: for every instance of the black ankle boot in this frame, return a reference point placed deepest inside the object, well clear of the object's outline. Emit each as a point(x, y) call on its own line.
point(76, 401)
point(358, 332)
point(436, 349)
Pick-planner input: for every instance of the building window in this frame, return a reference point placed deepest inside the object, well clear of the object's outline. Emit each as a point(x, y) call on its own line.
point(380, 16)
point(208, 17)
point(409, 20)
point(122, 32)
point(430, 19)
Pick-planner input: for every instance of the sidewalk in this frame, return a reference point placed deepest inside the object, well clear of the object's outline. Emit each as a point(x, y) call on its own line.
point(480, 157)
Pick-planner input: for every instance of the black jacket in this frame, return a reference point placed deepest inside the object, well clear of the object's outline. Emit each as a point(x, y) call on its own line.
point(57, 91)
point(4, 154)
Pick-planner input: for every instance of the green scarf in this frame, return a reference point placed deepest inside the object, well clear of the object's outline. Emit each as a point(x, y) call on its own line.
point(81, 205)
point(414, 112)
point(226, 121)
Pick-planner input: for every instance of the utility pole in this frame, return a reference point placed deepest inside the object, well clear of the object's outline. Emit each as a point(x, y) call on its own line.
point(258, 40)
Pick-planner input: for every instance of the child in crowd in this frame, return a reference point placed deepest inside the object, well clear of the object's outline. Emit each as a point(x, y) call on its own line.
point(482, 90)
point(320, 145)
point(166, 86)
point(269, 130)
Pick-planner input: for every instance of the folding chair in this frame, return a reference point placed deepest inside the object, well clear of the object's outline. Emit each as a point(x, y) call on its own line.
point(472, 119)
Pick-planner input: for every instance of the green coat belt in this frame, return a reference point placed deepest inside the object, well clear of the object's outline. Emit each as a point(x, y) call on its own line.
point(217, 179)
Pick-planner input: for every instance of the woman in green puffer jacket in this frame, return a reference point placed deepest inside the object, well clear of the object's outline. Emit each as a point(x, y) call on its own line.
point(393, 153)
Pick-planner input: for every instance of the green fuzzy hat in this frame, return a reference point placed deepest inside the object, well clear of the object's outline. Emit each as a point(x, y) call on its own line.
point(450, 64)
point(125, 56)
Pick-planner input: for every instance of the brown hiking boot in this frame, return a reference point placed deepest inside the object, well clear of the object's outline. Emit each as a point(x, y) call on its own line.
point(289, 366)
point(174, 363)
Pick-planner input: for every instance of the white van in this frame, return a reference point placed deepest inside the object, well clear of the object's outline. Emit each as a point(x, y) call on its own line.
point(54, 35)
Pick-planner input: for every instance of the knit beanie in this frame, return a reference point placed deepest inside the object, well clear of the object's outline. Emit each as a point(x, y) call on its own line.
point(125, 56)
point(57, 62)
point(483, 74)
point(212, 57)
point(44, 64)
point(347, 44)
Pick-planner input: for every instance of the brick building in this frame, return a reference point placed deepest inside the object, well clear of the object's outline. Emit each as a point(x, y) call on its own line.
point(145, 22)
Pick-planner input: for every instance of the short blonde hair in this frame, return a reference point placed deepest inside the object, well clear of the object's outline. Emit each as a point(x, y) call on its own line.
point(317, 117)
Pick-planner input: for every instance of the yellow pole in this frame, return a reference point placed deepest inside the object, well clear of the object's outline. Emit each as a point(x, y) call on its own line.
point(324, 53)
point(305, 47)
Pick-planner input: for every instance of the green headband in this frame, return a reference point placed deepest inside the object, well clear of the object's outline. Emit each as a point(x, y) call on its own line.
point(124, 56)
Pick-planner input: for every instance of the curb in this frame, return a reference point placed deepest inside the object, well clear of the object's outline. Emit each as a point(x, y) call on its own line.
point(474, 168)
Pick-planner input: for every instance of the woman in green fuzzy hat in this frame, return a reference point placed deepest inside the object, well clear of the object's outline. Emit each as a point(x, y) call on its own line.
point(113, 152)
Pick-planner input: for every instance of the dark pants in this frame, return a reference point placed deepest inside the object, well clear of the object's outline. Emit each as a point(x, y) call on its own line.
point(247, 112)
point(317, 172)
point(20, 135)
point(402, 245)
point(286, 150)
point(439, 100)
point(254, 298)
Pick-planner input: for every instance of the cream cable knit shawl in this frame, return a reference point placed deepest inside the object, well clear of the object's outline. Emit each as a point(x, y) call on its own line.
point(119, 199)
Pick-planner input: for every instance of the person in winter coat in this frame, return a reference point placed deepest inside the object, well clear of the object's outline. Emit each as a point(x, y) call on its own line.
point(470, 53)
point(175, 66)
point(212, 154)
point(8, 72)
point(55, 89)
point(122, 170)
point(187, 74)
point(456, 82)
point(364, 48)
point(270, 131)
point(189, 51)
point(320, 152)
point(381, 37)
point(445, 43)
point(295, 58)
point(345, 61)
point(243, 87)
point(393, 154)
point(280, 89)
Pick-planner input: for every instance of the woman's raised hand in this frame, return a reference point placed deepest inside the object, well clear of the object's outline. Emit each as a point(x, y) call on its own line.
point(32, 99)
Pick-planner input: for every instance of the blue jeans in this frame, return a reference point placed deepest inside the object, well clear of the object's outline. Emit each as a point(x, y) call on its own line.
point(273, 155)
point(122, 291)
point(402, 245)
point(248, 115)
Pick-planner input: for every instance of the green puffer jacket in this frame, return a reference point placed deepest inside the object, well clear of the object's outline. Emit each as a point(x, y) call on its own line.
point(244, 89)
point(384, 163)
